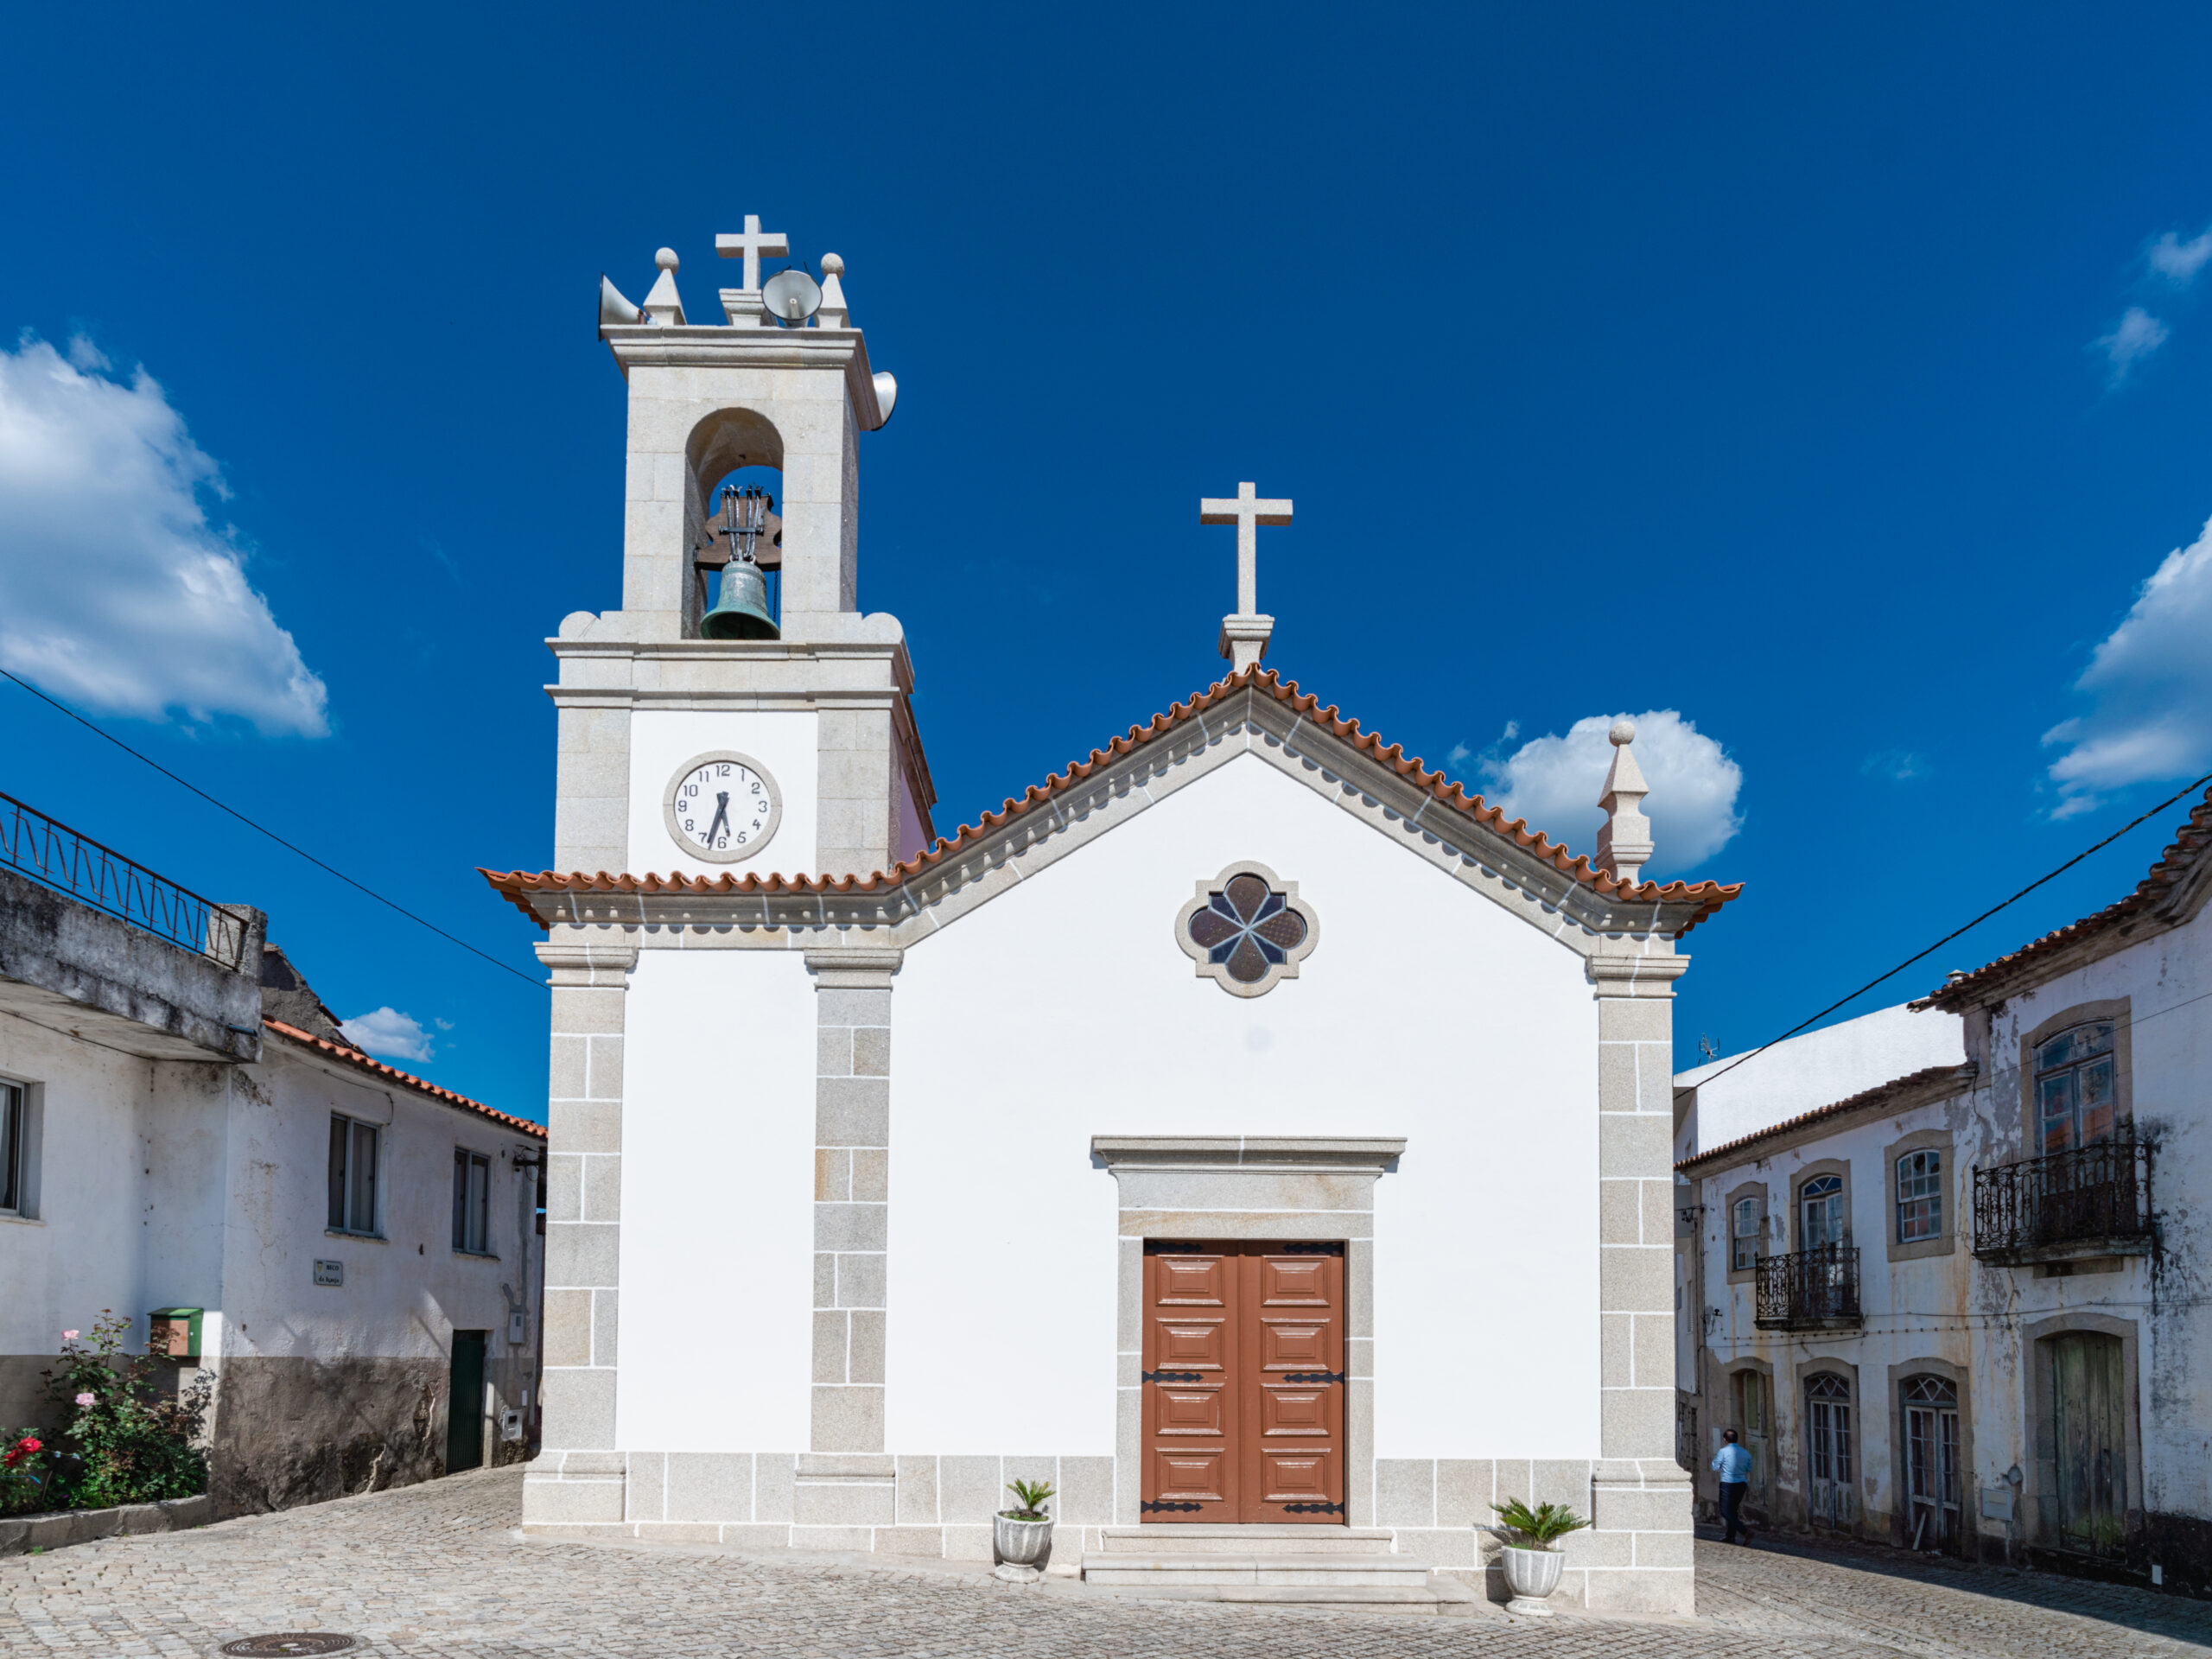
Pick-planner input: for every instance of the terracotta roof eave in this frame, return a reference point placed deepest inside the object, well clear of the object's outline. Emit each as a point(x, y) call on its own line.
point(354, 1057)
point(1872, 1099)
point(1995, 979)
point(1708, 896)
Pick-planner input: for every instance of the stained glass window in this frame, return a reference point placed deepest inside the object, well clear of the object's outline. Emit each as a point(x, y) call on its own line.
point(1247, 928)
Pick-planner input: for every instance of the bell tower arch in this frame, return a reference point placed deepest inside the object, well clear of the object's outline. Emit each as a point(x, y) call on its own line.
point(825, 709)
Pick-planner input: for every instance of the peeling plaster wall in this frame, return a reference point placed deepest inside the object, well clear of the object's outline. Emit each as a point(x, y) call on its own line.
point(1981, 1315)
point(1915, 1312)
point(2165, 1295)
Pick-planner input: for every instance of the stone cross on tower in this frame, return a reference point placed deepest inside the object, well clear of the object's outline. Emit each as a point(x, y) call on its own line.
point(743, 304)
point(1244, 633)
point(749, 245)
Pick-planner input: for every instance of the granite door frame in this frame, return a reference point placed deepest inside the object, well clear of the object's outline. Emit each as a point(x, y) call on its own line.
point(1241, 1188)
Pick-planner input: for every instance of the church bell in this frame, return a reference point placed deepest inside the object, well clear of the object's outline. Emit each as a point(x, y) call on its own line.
point(742, 609)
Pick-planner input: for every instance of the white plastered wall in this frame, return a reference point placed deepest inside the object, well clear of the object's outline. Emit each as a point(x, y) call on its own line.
point(787, 744)
point(1064, 1008)
point(717, 1201)
point(1818, 1069)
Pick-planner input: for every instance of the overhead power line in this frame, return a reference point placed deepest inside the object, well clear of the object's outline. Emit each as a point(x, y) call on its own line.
point(2051, 876)
point(259, 829)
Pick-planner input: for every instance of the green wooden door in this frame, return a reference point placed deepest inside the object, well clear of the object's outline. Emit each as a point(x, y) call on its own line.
point(465, 1402)
point(2089, 1441)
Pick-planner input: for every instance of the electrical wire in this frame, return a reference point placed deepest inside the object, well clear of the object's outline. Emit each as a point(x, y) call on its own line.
point(2039, 882)
point(289, 847)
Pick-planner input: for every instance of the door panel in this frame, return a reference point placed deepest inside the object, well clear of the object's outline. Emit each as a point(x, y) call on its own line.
point(1243, 1388)
point(2089, 1398)
point(464, 1401)
point(1190, 1406)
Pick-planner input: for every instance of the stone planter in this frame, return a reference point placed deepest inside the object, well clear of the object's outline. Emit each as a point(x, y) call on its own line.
point(1022, 1545)
point(64, 1527)
point(1531, 1575)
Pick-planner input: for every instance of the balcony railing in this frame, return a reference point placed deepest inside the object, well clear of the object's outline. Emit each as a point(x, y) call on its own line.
point(2094, 1200)
point(56, 856)
point(1812, 1290)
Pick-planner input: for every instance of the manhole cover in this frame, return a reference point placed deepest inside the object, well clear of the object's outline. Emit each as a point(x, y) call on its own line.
point(289, 1642)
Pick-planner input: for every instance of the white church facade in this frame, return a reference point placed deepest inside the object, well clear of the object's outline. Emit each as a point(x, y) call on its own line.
point(1245, 1130)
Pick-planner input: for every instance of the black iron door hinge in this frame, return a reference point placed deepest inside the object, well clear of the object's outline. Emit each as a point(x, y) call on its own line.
point(1171, 1376)
point(1313, 1377)
point(1314, 1509)
point(1148, 1506)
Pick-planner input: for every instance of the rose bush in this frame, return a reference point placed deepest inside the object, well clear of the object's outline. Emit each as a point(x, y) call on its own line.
point(25, 1473)
point(127, 1441)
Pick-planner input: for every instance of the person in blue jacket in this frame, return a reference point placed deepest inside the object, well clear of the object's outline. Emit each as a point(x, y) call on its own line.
point(1734, 1464)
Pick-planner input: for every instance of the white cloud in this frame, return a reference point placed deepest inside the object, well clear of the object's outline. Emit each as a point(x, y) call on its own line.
point(115, 590)
point(387, 1031)
point(2150, 682)
point(1898, 766)
point(2139, 334)
point(1554, 783)
point(2178, 261)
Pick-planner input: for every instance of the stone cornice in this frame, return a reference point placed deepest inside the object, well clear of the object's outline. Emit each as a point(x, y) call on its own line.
point(853, 968)
point(708, 347)
point(1313, 1152)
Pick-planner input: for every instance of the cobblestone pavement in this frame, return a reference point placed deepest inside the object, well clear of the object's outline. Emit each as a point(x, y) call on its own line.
point(438, 1569)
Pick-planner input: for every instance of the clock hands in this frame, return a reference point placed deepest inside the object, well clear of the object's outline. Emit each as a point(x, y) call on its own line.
point(722, 815)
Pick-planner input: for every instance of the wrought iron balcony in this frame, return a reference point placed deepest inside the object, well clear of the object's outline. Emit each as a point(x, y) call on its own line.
point(1812, 1290)
point(56, 856)
point(2095, 1200)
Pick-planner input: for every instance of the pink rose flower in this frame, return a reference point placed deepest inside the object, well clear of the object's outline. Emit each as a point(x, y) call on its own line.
point(84, 1399)
point(68, 1336)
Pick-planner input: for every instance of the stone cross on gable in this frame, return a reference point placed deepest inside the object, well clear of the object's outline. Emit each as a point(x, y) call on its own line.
point(749, 245)
point(1244, 635)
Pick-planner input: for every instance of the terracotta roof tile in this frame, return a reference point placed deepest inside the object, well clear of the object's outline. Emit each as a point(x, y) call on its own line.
point(1709, 895)
point(353, 1057)
point(1967, 990)
point(1878, 1094)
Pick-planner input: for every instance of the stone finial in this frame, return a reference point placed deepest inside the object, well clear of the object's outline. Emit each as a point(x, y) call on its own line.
point(832, 312)
point(1624, 839)
point(665, 304)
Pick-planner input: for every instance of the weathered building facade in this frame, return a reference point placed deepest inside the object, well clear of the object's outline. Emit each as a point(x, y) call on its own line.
point(1966, 1310)
point(353, 1253)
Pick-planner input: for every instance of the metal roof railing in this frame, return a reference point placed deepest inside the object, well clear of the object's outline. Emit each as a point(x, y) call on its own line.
point(56, 856)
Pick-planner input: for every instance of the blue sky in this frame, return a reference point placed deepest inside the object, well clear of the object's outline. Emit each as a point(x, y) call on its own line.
point(1829, 387)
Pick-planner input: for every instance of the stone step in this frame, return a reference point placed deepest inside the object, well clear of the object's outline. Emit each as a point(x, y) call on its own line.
point(1245, 1541)
point(1456, 1600)
point(1342, 1572)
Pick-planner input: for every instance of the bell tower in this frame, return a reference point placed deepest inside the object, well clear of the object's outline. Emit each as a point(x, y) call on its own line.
point(819, 716)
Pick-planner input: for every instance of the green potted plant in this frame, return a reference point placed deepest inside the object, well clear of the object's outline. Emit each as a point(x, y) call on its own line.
point(1532, 1565)
point(1023, 1534)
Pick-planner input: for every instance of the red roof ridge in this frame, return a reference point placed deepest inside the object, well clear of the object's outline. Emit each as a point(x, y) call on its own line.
point(354, 1057)
point(1961, 1072)
point(2173, 865)
point(1710, 894)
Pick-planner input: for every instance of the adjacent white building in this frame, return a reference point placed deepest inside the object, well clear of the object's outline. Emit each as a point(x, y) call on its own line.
point(353, 1253)
point(1964, 1309)
point(1246, 1130)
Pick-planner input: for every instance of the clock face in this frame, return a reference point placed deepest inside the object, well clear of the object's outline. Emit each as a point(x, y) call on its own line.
point(723, 807)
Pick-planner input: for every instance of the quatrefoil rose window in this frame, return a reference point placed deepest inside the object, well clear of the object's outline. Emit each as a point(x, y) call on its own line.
point(1247, 929)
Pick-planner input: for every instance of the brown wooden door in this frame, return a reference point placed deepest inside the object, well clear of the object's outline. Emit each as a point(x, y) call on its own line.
point(1243, 1375)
